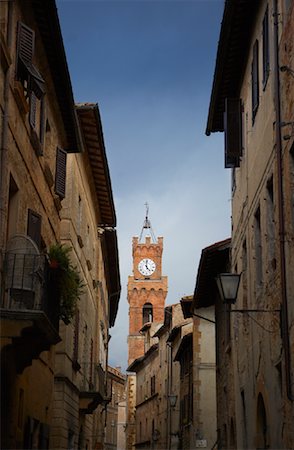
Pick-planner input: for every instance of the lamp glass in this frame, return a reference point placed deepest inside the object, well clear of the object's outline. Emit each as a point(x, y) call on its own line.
point(228, 284)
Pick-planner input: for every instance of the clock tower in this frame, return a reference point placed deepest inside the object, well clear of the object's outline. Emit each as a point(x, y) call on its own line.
point(147, 288)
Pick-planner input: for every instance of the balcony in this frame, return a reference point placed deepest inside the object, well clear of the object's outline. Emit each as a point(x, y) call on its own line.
point(29, 308)
point(95, 388)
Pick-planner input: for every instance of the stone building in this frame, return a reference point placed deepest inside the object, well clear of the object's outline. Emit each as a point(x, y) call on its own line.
point(53, 376)
point(38, 128)
point(115, 419)
point(206, 306)
point(147, 290)
point(252, 102)
point(157, 381)
point(196, 354)
point(82, 388)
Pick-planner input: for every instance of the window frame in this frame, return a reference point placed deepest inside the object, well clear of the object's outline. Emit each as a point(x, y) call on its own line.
point(265, 49)
point(255, 80)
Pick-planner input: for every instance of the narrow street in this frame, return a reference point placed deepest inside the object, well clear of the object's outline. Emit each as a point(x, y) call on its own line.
point(147, 224)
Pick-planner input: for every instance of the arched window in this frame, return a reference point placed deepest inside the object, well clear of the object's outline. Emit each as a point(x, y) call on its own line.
point(147, 313)
point(261, 425)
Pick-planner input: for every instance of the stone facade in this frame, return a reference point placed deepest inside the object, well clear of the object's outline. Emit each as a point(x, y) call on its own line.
point(81, 384)
point(115, 437)
point(37, 118)
point(262, 215)
point(204, 379)
point(53, 376)
point(208, 305)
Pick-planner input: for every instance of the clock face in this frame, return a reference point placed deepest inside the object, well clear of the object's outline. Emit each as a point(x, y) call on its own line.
point(146, 266)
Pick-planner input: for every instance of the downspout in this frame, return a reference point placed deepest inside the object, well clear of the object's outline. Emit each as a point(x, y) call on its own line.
point(281, 207)
point(4, 144)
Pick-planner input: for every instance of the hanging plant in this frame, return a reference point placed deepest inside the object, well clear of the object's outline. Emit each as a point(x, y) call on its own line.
point(67, 281)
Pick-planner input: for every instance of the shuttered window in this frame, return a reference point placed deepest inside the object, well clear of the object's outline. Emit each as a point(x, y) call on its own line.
point(33, 110)
point(25, 70)
point(75, 355)
point(233, 132)
point(255, 81)
point(34, 227)
point(25, 49)
point(60, 173)
point(265, 49)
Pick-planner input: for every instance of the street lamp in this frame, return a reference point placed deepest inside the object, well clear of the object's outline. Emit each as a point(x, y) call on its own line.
point(228, 285)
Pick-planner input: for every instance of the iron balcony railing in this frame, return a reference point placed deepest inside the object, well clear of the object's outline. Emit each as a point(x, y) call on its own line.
point(27, 285)
point(95, 380)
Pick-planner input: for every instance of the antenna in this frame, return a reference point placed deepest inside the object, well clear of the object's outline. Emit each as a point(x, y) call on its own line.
point(147, 226)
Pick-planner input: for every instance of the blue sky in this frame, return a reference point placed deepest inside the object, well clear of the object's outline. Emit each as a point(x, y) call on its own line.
point(149, 65)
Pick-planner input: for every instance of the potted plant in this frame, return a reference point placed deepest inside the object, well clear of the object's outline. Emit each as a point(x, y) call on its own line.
point(67, 282)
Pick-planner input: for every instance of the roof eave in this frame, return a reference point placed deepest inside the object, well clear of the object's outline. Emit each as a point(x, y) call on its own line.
point(233, 45)
point(48, 22)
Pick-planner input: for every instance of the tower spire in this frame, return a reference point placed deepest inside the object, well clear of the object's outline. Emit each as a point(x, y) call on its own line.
point(147, 228)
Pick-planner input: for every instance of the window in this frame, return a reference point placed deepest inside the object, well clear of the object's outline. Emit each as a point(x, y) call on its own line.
point(147, 313)
point(255, 81)
point(270, 225)
point(244, 282)
point(34, 227)
point(32, 83)
point(26, 72)
point(76, 340)
point(152, 384)
point(37, 122)
point(20, 408)
point(292, 183)
point(265, 49)
point(258, 248)
point(60, 172)
point(233, 132)
point(12, 208)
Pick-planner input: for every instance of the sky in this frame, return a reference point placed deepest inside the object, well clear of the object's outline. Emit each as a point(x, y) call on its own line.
point(149, 65)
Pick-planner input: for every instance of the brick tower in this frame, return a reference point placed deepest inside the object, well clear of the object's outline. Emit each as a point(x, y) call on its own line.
point(147, 288)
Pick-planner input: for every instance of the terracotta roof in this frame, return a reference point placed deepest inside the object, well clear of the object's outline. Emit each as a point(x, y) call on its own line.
point(91, 127)
point(232, 55)
point(185, 341)
point(134, 366)
point(186, 303)
point(214, 259)
point(92, 133)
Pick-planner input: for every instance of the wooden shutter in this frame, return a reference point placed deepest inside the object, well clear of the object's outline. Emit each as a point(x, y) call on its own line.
point(25, 42)
point(25, 70)
point(25, 49)
point(33, 110)
point(60, 173)
point(34, 227)
point(76, 337)
point(255, 81)
point(233, 132)
point(265, 48)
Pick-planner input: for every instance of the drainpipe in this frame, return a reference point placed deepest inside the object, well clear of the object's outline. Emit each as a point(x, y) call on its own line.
point(281, 207)
point(4, 144)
